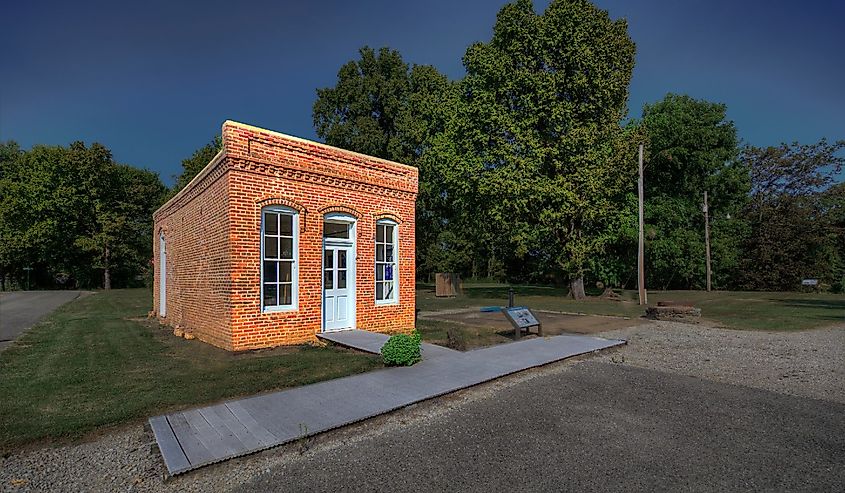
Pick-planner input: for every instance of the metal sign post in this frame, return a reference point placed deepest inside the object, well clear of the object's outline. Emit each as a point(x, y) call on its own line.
point(27, 269)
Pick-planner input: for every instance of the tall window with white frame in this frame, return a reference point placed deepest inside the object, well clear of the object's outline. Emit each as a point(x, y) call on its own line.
point(279, 238)
point(387, 233)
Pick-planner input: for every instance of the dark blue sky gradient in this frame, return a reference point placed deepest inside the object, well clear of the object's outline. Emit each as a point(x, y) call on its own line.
point(154, 80)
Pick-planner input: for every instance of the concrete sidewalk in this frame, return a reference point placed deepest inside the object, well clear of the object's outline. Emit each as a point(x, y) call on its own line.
point(198, 437)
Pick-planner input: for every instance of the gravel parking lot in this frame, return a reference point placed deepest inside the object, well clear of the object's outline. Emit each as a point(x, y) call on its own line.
point(806, 364)
point(784, 390)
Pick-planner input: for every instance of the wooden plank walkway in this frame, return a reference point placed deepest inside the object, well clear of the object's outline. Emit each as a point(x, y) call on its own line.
point(198, 437)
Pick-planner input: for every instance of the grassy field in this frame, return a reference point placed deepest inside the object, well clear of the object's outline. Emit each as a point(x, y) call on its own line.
point(98, 362)
point(732, 309)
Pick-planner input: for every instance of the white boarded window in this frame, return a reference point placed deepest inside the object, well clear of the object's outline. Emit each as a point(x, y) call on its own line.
point(279, 258)
point(387, 236)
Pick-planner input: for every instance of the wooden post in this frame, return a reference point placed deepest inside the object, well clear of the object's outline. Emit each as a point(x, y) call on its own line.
point(641, 254)
point(707, 238)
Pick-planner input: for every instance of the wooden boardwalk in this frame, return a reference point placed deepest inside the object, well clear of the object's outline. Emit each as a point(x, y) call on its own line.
point(198, 437)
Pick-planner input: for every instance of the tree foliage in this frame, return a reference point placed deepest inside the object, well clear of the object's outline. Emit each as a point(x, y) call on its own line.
point(539, 151)
point(192, 166)
point(526, 173)
point(382, 107)
point(692, 148)
point(523, 162)
point(796, 216)
point(73, 213)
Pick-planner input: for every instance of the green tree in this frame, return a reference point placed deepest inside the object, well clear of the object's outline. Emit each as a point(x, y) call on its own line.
point(192, 166)
point(540, 163)
point(11, 246)
point(835, 207)
point(795, 214)
point(362, 111)
point(692, 149)
point(73, 212)
point(382, 107)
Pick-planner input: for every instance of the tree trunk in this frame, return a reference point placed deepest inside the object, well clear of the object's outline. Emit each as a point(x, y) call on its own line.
point(107, 272)
point(576, 288)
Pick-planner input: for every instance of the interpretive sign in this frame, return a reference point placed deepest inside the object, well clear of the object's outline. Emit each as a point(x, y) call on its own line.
point(522, 317)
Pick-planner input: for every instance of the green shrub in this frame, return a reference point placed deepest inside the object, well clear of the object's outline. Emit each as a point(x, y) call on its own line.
point(402, 350)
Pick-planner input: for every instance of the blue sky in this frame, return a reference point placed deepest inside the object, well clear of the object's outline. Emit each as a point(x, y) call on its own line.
point(154, 80)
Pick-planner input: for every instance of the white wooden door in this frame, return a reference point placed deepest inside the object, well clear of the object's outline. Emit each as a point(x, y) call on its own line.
point(162, 277)
point(338, 288)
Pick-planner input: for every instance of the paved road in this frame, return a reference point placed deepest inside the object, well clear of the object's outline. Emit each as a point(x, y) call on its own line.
point(596, 427)
point(20, 310)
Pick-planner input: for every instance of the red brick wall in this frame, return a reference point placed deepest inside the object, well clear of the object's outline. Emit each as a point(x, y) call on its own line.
point(263, 168)
point(196, 231)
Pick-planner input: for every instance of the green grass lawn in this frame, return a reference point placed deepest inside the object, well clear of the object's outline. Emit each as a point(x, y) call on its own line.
point(732, 309)
point(98, 362)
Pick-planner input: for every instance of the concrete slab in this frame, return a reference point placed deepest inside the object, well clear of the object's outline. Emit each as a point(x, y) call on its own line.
point(198, 437)
point(362, 340)
point(371, 342)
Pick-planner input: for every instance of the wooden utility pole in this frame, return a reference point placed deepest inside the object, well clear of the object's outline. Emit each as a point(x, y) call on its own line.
point(641, 253)
point(707, 237)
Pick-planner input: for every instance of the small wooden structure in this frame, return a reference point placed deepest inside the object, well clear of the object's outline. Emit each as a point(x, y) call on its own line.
point(447, 284)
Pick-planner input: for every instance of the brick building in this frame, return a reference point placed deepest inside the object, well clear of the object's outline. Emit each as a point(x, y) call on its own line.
point(279, 238)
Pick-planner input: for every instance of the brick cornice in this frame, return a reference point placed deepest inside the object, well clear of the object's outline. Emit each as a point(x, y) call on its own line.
point(268, 148)
point(286, 172)
point(215, 169)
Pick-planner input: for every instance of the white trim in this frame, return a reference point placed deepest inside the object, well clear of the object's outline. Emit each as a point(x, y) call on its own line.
point(162, 275)
point(352, 268)
point(294, 296)
point(394, 300)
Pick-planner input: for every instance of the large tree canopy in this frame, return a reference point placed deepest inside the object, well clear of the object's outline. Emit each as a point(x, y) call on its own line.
point(526, 173)
point(539, 153)
point(73, 213)
point(692, 149)
point(796, 216)
point(381, 107)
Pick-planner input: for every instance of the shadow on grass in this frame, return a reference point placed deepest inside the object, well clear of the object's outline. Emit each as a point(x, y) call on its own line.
point(502, 292)
point(823, 304)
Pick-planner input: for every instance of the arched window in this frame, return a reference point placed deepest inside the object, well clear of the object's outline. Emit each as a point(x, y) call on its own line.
point(387, 261)
point(279, 258)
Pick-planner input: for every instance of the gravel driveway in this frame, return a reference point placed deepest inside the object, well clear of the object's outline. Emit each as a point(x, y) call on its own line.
point(806, 364)
point(681, 407)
